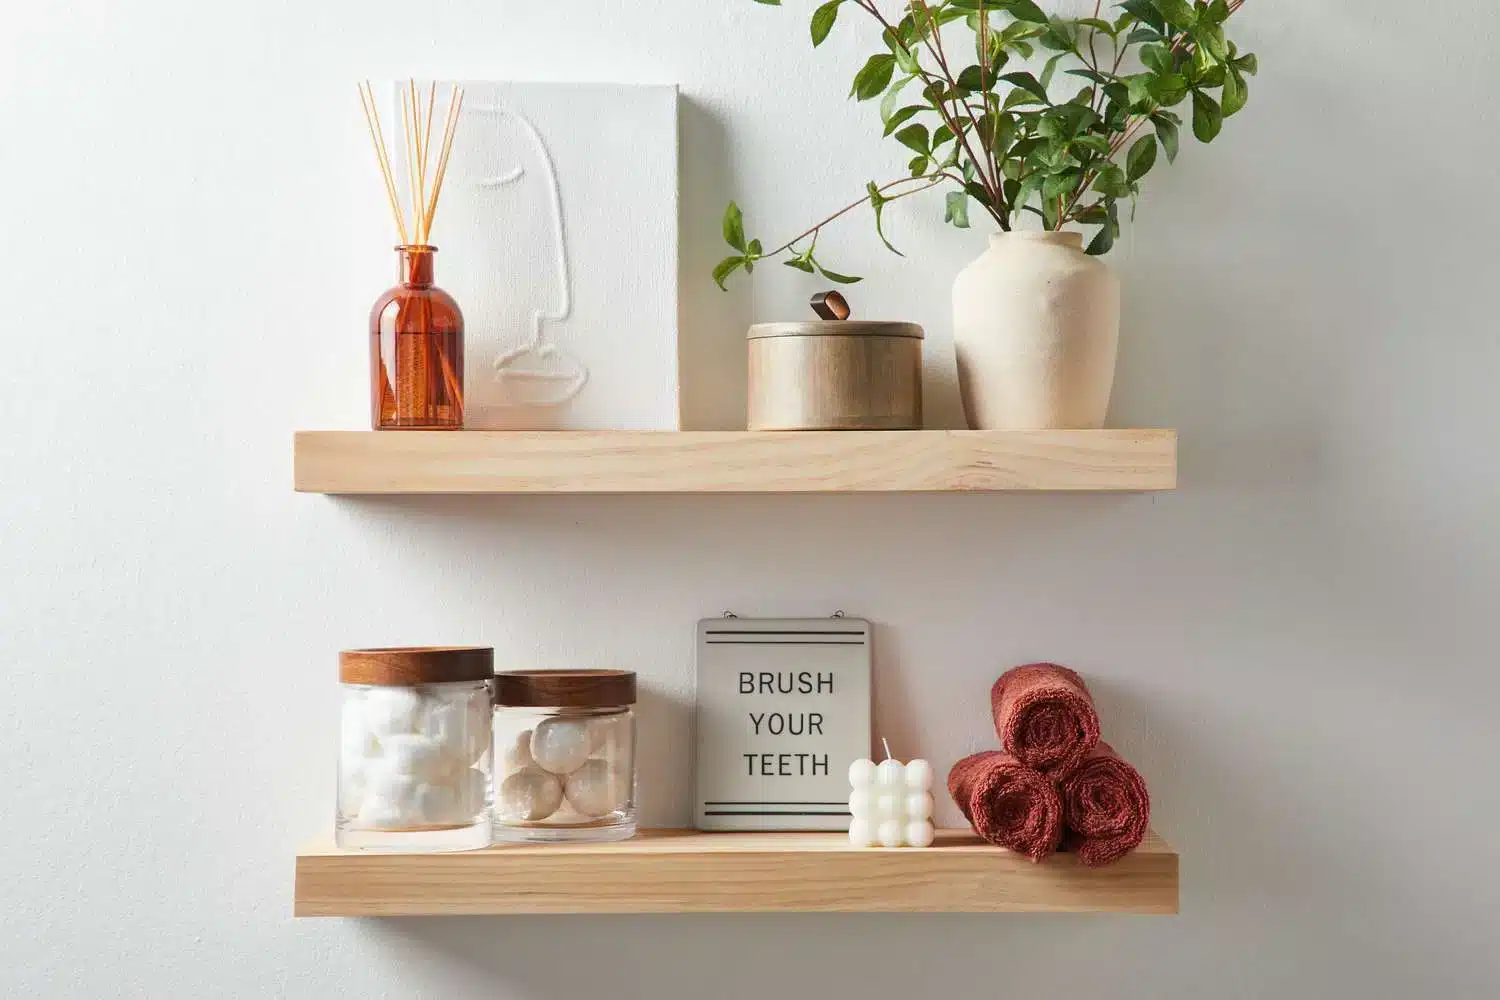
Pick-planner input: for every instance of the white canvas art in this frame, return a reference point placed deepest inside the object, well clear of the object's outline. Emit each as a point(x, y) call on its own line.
point(557, 234)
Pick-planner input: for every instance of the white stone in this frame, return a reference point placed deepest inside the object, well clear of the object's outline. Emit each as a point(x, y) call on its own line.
point(597, 788)
point(392, 710)
point(561, 745)
point(514, 754)
point(529, 795)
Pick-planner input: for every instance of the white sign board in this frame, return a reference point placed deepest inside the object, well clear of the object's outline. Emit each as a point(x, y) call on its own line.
point(783, 710)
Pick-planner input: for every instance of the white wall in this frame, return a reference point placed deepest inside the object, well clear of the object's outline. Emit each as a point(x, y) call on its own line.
point(1296, 648)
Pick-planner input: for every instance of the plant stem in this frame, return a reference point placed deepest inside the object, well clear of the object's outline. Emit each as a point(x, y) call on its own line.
point(932, 181)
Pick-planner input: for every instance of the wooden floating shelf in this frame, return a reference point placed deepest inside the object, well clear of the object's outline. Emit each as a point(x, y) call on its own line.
point(411, 462)
point(683, 871)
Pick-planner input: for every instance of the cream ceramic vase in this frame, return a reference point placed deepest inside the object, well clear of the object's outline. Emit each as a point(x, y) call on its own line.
point(1036, 322)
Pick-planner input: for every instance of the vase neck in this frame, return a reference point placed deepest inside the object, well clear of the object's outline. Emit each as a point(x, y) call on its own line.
point(416, 265)
point(1052, 238)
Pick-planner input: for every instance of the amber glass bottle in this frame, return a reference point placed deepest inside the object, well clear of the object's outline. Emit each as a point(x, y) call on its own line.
point(416, 351)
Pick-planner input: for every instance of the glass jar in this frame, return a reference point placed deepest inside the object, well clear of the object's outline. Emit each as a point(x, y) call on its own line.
point(416, 351)
point(565, 755)
point(414, 749)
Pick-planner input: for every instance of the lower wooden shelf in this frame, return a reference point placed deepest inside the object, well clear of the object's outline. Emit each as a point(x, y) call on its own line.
point(683, 871)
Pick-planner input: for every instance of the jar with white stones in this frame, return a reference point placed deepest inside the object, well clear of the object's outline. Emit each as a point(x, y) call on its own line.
point(415, 749)
point(564, 755)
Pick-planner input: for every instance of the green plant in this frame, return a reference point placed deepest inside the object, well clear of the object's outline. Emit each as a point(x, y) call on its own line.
point(995, 132)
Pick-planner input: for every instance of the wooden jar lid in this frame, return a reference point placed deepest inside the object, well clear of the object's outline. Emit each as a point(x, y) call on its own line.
point(565, 688)
point(835, 328)
point(405, 666)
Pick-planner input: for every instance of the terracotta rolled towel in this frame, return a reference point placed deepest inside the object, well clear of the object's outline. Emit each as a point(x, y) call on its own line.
point(1045, 717)
point(1008, 803)
point(1106, 808)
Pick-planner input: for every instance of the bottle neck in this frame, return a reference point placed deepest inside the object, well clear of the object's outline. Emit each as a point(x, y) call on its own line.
point(416, 265)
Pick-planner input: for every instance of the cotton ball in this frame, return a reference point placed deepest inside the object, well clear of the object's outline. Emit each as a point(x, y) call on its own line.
point(597, 788)
point(918, 775)
point(351, 785)
point(355, 739)
point(862, 773)
point(862, 834)
point(860, 803)
point(463, 729)
point(514, 754)
point(422, 757)
point(561, 745)
point(918, 805)
point(890, 774)
point(389, 801)
point(390, 710)
point(473, 787)
point(529, 795)
point(891, 833)
point(919, 833)
point(436, 804)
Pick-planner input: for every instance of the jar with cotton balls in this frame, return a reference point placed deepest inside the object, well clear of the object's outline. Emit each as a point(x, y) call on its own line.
point(415, 749)
point(564, 755)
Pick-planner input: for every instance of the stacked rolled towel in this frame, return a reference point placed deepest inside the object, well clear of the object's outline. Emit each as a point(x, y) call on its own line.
point(1106, 808)
point(1008, 803)
point(1055, 782)
point(1045, 717)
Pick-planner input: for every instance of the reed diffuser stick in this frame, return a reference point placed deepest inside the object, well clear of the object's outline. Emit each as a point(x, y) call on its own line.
point(377, 136)
point(424, 178)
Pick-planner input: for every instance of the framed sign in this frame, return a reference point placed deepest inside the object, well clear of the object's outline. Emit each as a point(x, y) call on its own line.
point(783, 710)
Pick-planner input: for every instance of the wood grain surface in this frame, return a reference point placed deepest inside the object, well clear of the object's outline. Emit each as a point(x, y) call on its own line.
point(683, 871)
point(407, 462)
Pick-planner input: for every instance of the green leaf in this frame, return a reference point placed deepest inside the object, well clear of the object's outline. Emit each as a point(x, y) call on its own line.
point(1211, 38)
point(1218, 11)
point(1208, 117)
point(725, 268)
point(823, 19)
point(1051, 69)
point(1027, 82)
point(1167, 89)
point(770, 3)
point(904, 58)
point(1145, 13)
point(1024, 10)
point(874, 77)
point(1143, 35)
point(942, 134)
point(888, 102)
point(1098, 24)
point(1157, 57)
point(877, 202)
point(834, 276)
point(900, 117)
point(971, 79)
point(734, 228)
point(1235, 94)
point(958, 209)
point(918, 164)
point(1166, 131)
point(1178, 13)
point(1141, 158)
point(1059, 185)
point(800, 263)
point(1246, 63)
point(1111, 182)
point(1103, 241)
point(915, 137)
point(1018, 97)
point(756, 250)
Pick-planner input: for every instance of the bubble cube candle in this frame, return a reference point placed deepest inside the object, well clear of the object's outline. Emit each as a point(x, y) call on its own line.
point(890, 803)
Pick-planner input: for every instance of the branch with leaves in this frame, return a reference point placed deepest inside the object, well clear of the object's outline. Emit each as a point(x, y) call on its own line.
point(1002, 139)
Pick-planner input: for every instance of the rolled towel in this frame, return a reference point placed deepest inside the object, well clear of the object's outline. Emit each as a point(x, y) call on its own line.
point(1008, 803)
point(1045, 717)
point(1106, 808)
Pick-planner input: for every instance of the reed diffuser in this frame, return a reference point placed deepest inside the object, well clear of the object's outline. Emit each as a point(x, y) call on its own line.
point(416, 328)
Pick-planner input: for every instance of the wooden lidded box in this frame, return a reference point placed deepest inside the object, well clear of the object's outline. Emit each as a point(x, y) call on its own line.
point(843, 375)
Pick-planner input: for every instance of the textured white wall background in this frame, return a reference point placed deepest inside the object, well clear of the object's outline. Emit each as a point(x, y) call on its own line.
point(1296, 649)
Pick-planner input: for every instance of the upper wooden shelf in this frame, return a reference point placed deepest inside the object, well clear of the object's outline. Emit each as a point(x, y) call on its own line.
point(682, 871)
point(369, 462)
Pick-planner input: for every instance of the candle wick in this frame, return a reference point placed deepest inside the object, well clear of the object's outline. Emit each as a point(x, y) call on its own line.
point(887, 745)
